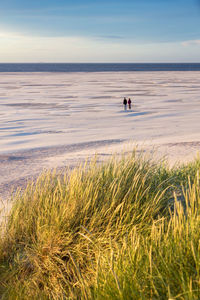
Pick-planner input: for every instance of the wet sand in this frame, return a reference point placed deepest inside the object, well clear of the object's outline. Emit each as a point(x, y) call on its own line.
point(53, 120)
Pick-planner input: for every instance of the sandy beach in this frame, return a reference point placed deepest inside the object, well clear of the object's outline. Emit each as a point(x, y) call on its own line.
point(54, 120)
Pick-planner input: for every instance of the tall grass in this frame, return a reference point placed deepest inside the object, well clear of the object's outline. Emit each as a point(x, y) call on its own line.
point(164, 264)
point(127, 229)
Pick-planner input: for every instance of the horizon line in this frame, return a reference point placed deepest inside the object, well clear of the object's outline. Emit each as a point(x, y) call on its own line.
point(178, 62)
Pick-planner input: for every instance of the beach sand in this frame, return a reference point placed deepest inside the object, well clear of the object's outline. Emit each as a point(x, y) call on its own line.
point(54, 120)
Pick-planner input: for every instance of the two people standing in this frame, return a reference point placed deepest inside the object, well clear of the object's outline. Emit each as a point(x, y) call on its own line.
point(125, 103)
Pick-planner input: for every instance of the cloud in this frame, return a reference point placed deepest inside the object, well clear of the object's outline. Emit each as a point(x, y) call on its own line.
point(110, 37)
point(15, 47)
point(190, 43)
point(10, 35)
point(18, 47)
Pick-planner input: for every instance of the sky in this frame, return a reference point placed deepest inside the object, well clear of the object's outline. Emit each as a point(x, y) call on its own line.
point(99, 31)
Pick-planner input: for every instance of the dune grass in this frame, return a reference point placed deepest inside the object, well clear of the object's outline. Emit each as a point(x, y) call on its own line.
point(127, 229)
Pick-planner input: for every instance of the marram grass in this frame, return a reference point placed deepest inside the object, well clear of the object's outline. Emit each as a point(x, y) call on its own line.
point(127, 229)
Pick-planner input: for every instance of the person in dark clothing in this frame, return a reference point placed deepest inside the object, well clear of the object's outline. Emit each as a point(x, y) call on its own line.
point(125, 103)
point(129, 103)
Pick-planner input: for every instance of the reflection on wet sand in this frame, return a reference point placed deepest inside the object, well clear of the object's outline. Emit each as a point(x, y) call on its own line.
point(49, 109)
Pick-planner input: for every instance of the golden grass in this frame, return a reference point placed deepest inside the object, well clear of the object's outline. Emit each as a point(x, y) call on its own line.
point(108, 231)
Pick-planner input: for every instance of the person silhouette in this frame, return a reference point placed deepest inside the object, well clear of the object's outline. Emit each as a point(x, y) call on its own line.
point(129, 103)
point(125, 103)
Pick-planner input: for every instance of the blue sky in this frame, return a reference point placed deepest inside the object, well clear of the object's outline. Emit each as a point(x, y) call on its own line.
point(100, 31)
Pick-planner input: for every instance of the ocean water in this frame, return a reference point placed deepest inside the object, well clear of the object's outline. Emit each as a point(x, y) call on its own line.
point(97, 67)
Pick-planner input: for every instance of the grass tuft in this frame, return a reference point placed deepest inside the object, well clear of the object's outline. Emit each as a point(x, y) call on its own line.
point(127, 229)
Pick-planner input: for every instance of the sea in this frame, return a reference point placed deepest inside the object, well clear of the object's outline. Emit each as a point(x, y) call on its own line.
point(97, 67)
